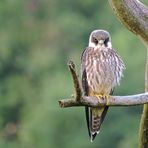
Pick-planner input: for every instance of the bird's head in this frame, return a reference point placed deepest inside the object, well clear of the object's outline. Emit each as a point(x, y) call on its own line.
point(100, 38)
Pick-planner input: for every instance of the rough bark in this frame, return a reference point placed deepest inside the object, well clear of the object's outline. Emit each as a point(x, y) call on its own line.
point(76, 83)
point(134, 16)
point(143, 130)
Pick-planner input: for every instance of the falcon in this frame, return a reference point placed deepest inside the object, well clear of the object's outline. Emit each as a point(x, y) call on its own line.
point(101, 70)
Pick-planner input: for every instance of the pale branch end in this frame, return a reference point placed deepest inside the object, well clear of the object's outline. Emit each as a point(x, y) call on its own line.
point(76, 83)
point(80, 100)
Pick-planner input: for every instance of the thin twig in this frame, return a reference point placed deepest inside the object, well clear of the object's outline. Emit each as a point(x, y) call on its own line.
point(76, 83)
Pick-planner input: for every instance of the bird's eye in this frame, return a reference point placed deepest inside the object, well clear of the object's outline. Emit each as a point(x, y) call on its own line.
point(106, 41)
point(95, 41)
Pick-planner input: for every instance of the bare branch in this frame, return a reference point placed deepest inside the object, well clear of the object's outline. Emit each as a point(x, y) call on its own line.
point(111, 101)
point(143, 130)
point(77, 87)
point(133, 14)
point(80, 100)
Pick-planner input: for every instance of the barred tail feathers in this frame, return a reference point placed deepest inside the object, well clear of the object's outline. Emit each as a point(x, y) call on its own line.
point(95, 117)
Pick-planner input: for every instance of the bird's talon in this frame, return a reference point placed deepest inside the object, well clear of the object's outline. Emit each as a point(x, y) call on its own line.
point(99, 97)
point(107, 99)
point(103, 97)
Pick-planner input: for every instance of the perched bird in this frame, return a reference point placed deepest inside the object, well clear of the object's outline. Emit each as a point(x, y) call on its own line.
point(101, 70)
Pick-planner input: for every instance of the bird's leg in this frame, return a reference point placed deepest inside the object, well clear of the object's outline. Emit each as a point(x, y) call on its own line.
point(102, 97)
point(107, 98)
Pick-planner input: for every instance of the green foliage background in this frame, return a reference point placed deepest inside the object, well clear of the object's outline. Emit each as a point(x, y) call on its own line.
point(37, 38)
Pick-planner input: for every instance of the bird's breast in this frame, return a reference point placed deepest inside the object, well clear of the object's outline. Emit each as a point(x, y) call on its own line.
point(101, 71)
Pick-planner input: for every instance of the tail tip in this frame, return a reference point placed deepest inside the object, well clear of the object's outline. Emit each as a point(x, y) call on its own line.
point(93, 136)
point(91, 140)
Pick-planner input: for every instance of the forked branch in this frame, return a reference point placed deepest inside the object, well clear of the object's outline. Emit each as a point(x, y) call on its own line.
point(80, 100)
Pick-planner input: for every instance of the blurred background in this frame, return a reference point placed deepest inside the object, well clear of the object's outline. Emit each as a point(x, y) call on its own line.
point(37, 39)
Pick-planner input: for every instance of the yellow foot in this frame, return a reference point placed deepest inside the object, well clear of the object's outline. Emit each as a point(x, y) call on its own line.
point(102, 97)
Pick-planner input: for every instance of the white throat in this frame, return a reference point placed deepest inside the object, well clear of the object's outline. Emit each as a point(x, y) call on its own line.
point(109, 45)
point(91, 44)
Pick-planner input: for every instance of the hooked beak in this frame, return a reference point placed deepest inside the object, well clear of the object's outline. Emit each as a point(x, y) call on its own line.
point(101, 42)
